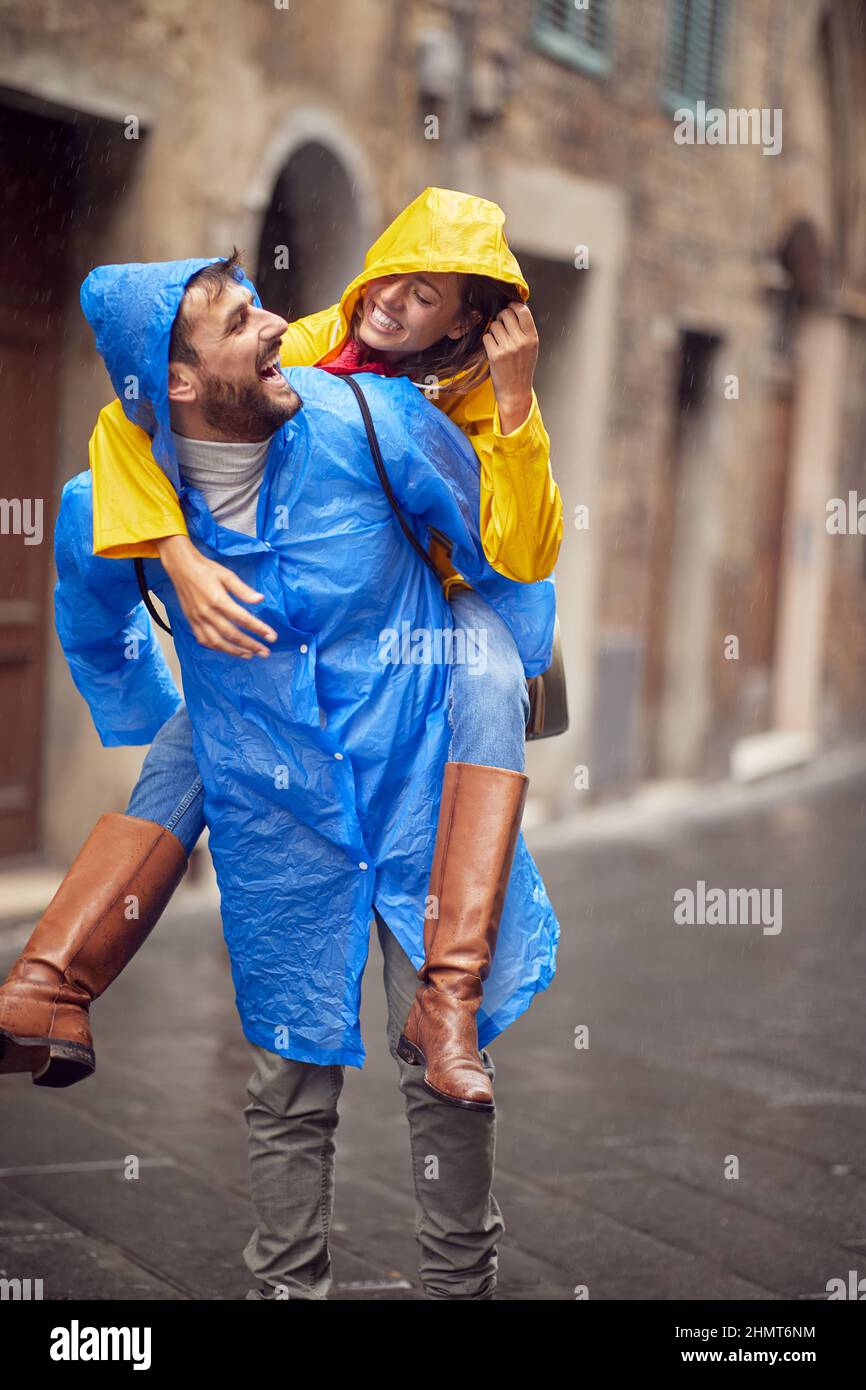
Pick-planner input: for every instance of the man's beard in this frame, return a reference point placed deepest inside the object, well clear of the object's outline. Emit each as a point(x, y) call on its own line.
point(244, 414)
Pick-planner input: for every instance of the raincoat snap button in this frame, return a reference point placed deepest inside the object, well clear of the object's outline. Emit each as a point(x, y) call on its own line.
point(339, 757)
point(363, 864)
point(303, 647)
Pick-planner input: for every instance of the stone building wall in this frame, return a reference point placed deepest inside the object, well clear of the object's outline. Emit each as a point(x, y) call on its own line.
point(692, 509)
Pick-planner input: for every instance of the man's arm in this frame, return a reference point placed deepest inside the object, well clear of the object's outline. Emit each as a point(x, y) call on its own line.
point(106, 634)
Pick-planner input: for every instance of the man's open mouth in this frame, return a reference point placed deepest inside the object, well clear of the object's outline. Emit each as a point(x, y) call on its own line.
point(269, 370)
point(381, 320)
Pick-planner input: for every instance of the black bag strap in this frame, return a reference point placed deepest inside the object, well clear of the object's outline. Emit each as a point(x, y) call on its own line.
point(373, 441)
point(148, 601)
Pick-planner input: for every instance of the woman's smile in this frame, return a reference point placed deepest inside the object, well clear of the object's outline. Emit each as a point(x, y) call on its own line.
point(380, 320)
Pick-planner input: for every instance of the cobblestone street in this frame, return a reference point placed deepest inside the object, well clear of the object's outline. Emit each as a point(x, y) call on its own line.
point(705, 1042)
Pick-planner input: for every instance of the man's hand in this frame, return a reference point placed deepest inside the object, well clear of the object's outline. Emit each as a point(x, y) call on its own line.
point(511, 344)
point(203, 588)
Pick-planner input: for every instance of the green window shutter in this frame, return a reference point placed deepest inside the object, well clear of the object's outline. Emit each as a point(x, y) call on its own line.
point(578, 37)
point(693, 59)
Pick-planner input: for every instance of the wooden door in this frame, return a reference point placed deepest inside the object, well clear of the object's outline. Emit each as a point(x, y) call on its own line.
point(36, 163)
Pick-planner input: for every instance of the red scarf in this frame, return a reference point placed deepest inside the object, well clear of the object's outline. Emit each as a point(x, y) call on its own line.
point(350, 362)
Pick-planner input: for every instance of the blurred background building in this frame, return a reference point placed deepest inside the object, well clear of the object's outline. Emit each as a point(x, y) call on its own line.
point(702, 311)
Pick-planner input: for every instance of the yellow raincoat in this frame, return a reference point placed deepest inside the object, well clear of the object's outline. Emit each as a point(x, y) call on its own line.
point(134, 503)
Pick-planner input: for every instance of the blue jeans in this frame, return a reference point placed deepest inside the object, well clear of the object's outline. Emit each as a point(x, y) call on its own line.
point(488, 705)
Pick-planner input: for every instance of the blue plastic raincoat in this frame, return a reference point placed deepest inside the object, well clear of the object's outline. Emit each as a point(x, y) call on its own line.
point(322, 766)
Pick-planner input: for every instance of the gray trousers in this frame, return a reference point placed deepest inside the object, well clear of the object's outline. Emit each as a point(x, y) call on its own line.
point(291, 1119)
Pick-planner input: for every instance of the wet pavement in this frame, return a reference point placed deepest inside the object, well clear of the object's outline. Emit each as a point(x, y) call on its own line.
point(708, 1142)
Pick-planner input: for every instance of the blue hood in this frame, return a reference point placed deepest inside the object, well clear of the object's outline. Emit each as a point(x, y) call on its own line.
point(131, 309)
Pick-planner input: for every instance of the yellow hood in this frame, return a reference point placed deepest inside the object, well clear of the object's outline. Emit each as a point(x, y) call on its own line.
point(440, 231)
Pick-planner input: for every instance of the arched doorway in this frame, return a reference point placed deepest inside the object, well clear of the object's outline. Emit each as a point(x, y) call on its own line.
point(312, 239)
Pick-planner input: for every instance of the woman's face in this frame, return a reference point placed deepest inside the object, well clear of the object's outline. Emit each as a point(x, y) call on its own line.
point(403, 314)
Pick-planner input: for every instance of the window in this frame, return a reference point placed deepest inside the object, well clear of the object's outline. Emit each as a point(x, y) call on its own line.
point(693, 53)
point(577, 32)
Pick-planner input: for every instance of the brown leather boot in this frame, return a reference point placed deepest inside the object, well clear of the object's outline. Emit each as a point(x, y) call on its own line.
point(479, 821)
point(81, 943)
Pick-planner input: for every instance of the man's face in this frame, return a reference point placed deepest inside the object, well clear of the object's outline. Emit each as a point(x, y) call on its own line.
point(236, 384)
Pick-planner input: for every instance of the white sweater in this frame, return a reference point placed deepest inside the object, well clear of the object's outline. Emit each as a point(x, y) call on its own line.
point(228, 476)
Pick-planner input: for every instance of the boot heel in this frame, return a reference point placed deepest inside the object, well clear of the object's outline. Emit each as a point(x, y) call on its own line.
point(66, 1063)
point(408, 1052)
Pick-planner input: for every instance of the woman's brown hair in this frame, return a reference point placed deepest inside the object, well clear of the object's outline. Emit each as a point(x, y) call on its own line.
point(457, 357)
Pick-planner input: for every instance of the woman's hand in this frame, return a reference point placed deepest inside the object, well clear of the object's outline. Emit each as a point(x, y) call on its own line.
point(511, 344)
point(203, 588)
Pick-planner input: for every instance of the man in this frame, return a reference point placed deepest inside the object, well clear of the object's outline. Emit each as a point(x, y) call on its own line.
point(321, 766)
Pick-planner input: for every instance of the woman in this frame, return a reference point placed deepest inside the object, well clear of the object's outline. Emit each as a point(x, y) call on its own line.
point(435, 302)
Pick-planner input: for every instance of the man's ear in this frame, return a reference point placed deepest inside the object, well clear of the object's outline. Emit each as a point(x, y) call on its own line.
point(464, 323)
point(182, 384)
